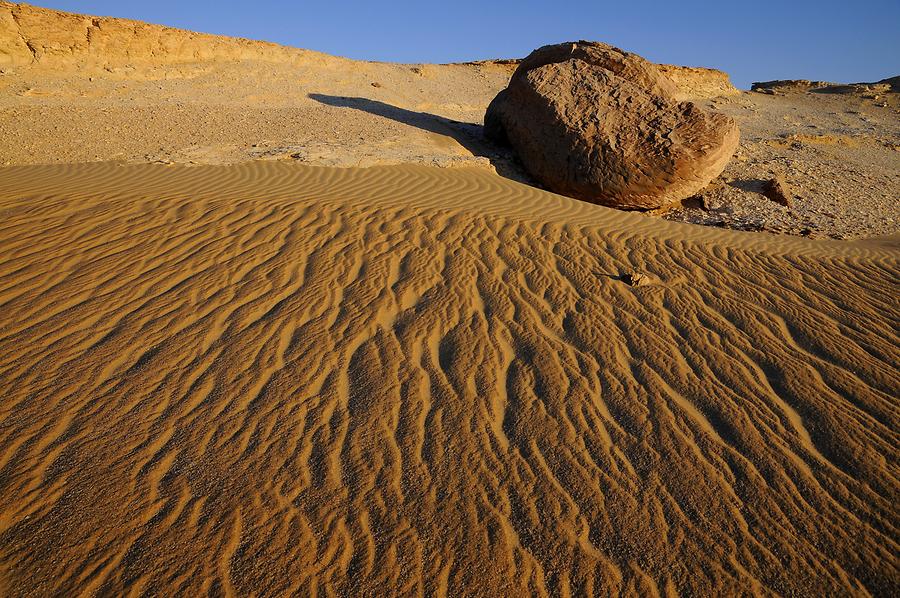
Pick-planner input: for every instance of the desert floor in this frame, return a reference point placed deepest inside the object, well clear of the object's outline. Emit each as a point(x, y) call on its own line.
point(840, 152)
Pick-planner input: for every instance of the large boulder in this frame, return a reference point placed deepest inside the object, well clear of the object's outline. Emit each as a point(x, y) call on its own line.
point(593, 122)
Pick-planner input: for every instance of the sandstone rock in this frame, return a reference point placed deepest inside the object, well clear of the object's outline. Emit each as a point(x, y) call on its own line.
point(787, 86)
point(635, 279)
point(893, 82)
point(593, 122)
point(802, 85)
point(691, 83)
point(778, 190)
point(695, 83)
point(43, 37)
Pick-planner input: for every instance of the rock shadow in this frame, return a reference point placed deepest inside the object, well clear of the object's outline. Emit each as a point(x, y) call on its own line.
point(750, 185)
point(468, 135)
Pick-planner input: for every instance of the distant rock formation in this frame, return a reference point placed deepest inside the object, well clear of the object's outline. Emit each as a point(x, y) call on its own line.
point(788, 85)
point(890, 85)
point(695, 83)
point(38, 36)
point(594, 122)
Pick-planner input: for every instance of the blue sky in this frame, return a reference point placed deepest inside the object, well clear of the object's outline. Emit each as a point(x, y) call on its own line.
point(752, 40)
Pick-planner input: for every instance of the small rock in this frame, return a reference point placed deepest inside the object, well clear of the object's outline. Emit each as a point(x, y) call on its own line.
point(376, 84)
point(694, 203)
point(778, 190)
point(634, 279)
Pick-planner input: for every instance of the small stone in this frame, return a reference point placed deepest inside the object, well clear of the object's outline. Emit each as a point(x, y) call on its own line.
point(778, 190)
point(634, 279)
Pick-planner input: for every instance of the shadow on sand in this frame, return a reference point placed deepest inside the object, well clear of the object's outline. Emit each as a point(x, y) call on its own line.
point(468, 135)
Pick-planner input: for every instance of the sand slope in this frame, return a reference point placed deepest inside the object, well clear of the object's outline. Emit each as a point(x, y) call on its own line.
point(270, 378)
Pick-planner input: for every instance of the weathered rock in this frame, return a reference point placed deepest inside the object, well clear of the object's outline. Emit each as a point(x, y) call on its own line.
point(695, 83)
point(779, 191)
point(891, 84)
point(787, 85)
point(593, 122)
point(635, 279)
point(37, 36)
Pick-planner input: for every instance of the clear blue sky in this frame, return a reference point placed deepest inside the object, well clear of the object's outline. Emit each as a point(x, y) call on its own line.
point(753, 40)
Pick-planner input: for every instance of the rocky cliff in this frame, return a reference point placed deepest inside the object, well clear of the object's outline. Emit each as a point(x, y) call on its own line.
point(36, 36)
point(696, 83)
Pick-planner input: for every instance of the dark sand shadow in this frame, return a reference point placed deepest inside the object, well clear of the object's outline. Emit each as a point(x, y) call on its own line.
point(468, 135)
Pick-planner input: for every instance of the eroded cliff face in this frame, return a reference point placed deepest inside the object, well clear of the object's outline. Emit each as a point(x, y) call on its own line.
point(36, 36)
point(14, 47)
point(698, 83)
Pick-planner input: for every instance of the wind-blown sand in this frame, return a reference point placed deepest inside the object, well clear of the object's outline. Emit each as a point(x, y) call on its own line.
point(272, 378)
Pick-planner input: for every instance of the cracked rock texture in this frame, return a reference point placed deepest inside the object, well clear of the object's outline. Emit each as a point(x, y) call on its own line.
point(53, 38)
point(593, 122)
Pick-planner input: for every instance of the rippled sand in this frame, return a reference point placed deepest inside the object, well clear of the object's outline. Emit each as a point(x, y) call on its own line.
point(269, 378)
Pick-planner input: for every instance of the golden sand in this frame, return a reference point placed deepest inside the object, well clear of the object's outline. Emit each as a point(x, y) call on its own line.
point(268, 379)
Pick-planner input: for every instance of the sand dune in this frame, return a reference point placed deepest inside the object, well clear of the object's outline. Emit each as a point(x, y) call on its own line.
point(269, 378)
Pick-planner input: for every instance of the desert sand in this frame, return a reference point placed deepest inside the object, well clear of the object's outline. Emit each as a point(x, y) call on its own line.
point(265, 377)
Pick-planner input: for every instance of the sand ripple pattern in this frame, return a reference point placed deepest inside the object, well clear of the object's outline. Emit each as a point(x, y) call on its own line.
point(270, 379)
